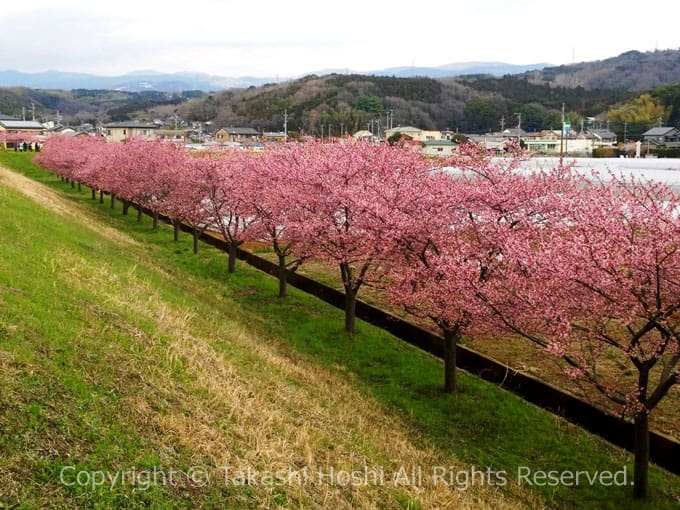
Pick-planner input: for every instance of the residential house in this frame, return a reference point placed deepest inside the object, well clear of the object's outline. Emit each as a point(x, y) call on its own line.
point(274, 136)
point(438, 147)
point(416, 134)
point(602, 137)
point(121, 131)
point(364, 135)
point(17, 131)
point(15, 126)
point(543, 142)
point(554, 143)
point(64, 131)
point(176, 136)
point(234, 134)
point(492, 142)
point(515, 133)
point(662, 136)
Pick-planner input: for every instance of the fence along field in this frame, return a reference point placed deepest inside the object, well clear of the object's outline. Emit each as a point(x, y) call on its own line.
point(586, 271)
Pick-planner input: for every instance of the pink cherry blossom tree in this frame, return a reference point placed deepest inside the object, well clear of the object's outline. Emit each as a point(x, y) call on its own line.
point(227, 198)
point(18, 137)
point(344, 207)
point(186, 202)
point(601, 289)
point(451, 238)
point(147, 173)
point(71, 158)
point(276, 204)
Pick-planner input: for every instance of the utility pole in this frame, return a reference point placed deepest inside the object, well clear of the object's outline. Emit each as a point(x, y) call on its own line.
point(502, 123)
point(23, 113)
point(562, 136)
point(33, 112)
point(519, 127)
point(321, 133)
point(285, 124)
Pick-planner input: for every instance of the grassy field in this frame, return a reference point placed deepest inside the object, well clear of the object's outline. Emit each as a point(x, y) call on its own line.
point(135, 374)
point(516, 352)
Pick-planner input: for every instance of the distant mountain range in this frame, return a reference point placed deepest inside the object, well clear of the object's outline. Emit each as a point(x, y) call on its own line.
point(633, 70)
point(459, 69)
point(136, 81)
point(139, 81)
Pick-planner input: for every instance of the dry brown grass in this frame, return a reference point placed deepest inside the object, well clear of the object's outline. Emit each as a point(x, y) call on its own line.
point(54, 202)
point(266, 412)
point(206, 390)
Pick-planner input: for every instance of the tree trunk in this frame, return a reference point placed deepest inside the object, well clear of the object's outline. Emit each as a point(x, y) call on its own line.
point(79, 188)
point(195, 232)
point(350, 310)
point(155, 221)
point(175, 224)
point(126, 206)
point(283, 276)
point(641, 428)
point(640, 476)
point(139, 213)
point(232, 258)
point(451, 337)
point(350, 298)
point(73, 184)
point(94, 194)
point(113, 200)
point(101, 197)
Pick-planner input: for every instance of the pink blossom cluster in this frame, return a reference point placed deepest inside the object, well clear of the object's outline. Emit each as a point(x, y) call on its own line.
point(18, 136)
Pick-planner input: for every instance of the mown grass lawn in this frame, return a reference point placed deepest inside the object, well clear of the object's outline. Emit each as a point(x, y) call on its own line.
point(108, 339)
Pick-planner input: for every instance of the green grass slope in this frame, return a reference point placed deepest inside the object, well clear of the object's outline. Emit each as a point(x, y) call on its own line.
point(134, 374)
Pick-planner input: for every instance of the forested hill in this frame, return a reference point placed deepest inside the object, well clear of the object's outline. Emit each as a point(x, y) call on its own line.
point(85, 105)
point(354, 102)
point(633, 88)
point(632, 71)
point(349, 102)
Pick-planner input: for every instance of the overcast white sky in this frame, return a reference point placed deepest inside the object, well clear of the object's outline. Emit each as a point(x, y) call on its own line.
point(289, 38)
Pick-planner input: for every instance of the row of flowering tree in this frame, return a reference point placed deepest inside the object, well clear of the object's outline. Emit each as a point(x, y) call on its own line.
point(586, 269)
point(18, 138)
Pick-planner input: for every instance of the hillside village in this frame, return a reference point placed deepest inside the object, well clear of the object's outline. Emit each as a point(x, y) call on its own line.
point(584, 142)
